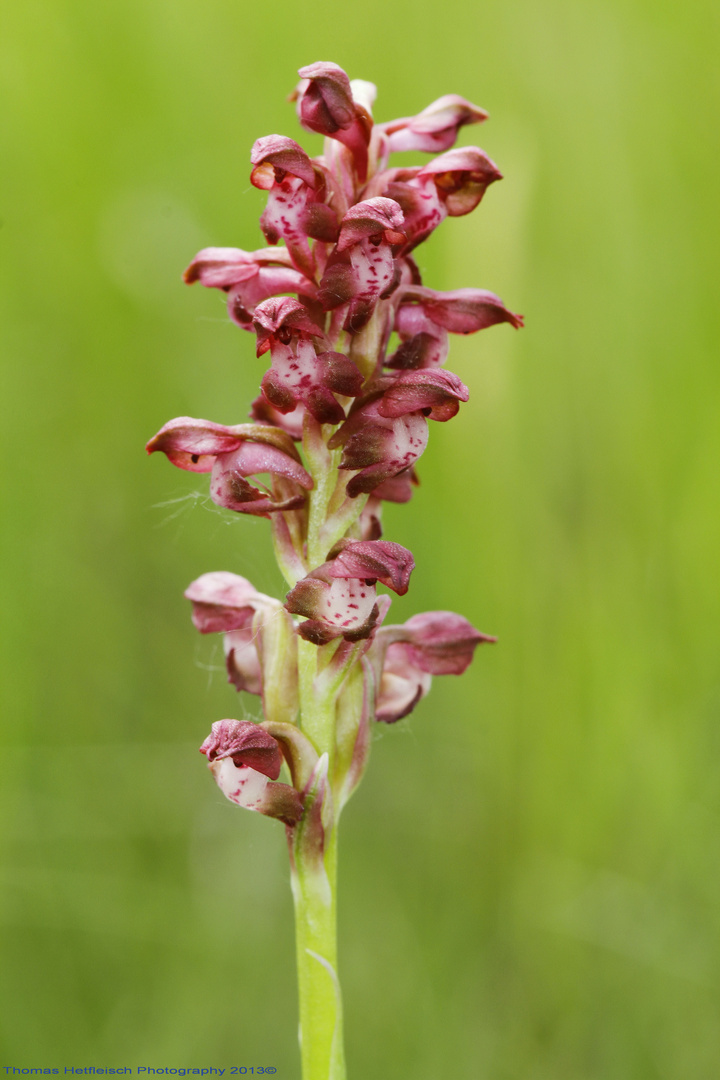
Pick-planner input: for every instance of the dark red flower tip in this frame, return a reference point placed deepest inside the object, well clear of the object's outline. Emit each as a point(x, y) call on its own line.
point(273, 154)
point(325, 100)
point(378, 217)
point(372, 560)
point(282, 318)
point(325, 104)
point(247, 744)
point(433, 391)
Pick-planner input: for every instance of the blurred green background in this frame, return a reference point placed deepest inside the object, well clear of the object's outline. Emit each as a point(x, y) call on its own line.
point(529, 874)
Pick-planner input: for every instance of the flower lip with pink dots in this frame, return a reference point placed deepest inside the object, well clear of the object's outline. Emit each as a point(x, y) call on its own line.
point(245, 761)
point(338, 599)
point(299, 374)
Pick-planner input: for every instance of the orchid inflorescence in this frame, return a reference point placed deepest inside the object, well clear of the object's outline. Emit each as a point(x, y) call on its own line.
point(337, 429)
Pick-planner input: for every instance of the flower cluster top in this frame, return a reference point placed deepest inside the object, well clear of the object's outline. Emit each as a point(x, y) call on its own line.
point(356, 346)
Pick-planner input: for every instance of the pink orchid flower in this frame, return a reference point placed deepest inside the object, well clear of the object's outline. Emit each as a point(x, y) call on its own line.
point(362, 269)
point(299, 373)
point(386, 431)
point(258, 636)
point(245, 761)
point(339, 598)
point(406, 656)
point(424, 317)
point(341, 419)
point(231, 454)
point(435, 128)
point(452, 184)
point(294, 185)
point(326, 104)
point(248, 277)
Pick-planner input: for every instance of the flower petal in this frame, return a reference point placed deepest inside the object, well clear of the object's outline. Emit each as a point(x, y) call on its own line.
point(220, 268)
point(343, 608)
point(399, 488)
point(248, 788)
point(299, 374)
point(462, 311)
point(247, 744)
point(244, 296)
point(229, 488)
point(373, 560)
point(433, 391)
point(325, 100)
point(223, 601)
point(438, 642)
point(339, 373)
point(252, 458)
point(242, 660)
point(402, 685)
point(380, 447)
point(240, 784)
point(194, 445)
point(462, 176)
point(283, 313)
point(422, 350)
point(325, 104)
point(282, 154)
point(339, 599)
point(373, 217)
point(435, 128)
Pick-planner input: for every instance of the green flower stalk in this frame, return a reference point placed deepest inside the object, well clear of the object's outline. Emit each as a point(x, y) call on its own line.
point(356, 372)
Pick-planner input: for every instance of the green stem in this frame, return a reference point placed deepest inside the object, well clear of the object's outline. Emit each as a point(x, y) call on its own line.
point(339, 523)
point(323, 467)
point(321, 1036)
point(314, 878)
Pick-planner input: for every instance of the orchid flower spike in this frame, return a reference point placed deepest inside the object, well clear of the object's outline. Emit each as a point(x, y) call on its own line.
point(353, 346)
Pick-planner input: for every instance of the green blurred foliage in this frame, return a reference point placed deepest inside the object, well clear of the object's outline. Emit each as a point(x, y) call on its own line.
point(529, 883)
